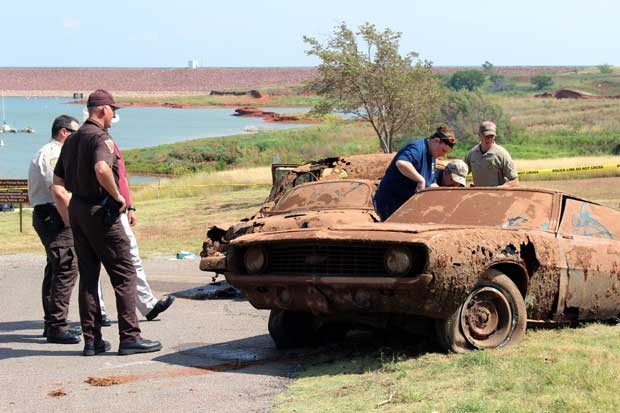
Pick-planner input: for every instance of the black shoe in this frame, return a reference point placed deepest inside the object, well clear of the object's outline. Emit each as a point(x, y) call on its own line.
point(76, 330)
point(105, 321)
point(90, 349)
point(66, 337)
point(160, 307)
point(139, 346)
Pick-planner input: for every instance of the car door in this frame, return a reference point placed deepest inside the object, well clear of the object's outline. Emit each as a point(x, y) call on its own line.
point(589, 235)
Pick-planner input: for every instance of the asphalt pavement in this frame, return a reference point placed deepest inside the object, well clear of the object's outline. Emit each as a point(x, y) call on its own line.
point(217, 355)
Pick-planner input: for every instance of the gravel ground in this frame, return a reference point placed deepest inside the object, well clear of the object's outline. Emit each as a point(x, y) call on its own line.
point(217, 355)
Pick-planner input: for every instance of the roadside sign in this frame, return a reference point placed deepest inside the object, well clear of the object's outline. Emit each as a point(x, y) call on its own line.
point(15, 191)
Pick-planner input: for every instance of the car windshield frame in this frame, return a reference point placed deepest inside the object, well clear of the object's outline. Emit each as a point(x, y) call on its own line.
point(485, 207)
point(352, 194)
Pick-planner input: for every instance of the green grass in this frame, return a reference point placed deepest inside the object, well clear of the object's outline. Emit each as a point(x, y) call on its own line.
point(291, 146)
point(567, 370)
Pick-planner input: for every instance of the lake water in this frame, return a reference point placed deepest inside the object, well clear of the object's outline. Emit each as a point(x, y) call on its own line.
point(138, 127)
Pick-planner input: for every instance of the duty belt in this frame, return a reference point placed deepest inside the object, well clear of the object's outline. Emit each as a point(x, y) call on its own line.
point(89, 200)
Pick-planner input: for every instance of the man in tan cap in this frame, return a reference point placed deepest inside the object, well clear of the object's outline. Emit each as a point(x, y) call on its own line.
point(489, 163)
point(454, 174)
point(88, 168)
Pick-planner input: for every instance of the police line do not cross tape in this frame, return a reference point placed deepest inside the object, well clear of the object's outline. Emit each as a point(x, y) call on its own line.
point(570, 169)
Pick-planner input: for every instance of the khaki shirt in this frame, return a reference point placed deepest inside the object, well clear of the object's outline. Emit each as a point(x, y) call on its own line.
point(80, 152)
point(41, 173)
point(492, 168)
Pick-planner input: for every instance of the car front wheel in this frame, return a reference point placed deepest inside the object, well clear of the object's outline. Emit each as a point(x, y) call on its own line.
point(493, 315)
point(290, 329)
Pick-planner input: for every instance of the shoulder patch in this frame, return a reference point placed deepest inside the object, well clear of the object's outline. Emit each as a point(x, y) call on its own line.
point(110, 144)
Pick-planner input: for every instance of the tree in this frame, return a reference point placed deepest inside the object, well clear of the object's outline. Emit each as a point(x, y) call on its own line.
point(498, 83)
point(464, 110)
point(541, 81)
point(466, 79)
point(605, 68)
point(488, 68)
point(372, 81)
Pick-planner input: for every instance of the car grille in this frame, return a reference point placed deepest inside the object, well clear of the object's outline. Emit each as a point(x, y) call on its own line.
point(327, 259)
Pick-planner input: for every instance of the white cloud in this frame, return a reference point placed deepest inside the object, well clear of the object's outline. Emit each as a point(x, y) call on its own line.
point(71, 24)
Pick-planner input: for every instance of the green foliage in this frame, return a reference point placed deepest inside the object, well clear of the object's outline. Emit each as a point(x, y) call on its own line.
point(363, 74)
point(499, 83)
point(605, 68)
point(216, 154)
point(488, 68)
point(466, 79)
point(464, 111)
point(541, 81)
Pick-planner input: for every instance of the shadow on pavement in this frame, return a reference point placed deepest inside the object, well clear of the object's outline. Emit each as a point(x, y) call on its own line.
point(250, 354)
point(21, 325)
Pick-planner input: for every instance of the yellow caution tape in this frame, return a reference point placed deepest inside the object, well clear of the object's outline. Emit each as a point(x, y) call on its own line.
point(570, 169)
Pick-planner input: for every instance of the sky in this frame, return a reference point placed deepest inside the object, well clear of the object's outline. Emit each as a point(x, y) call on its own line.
point(269, 33)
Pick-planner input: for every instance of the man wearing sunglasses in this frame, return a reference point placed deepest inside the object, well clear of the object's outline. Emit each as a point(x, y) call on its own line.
point(490, 164)
point(412, 169)
point(88, 168)
point(60, 271)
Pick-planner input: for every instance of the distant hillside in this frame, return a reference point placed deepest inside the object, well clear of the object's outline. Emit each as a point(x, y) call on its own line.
point(144, 81)
point(62, 81)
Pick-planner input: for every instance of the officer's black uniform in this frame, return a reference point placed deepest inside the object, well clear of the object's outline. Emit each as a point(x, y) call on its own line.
point(95, 241)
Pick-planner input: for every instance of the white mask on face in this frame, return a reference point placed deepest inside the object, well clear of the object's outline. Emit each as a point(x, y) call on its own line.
point(116, 118)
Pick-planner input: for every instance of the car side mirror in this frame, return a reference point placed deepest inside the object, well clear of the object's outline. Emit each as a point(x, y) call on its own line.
point(267, 207)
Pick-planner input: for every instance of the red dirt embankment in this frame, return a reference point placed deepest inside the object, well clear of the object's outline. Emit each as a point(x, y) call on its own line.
point(144, 81)
point(267, 116)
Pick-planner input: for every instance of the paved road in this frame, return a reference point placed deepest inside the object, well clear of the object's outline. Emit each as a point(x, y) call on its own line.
point(217, 355)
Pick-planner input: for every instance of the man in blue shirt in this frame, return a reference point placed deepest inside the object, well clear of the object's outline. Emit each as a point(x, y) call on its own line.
point(412, 169)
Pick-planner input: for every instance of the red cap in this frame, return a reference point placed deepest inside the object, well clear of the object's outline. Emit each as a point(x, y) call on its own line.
point(102, 97)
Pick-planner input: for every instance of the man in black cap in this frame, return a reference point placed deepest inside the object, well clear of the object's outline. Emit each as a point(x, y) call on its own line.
point(61, 270)
point(88, 168)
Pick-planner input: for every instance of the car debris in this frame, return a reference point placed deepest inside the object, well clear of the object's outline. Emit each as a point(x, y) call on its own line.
point(474, 265)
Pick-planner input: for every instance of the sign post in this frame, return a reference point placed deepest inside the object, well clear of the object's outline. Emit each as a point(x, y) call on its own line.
point(15, 191)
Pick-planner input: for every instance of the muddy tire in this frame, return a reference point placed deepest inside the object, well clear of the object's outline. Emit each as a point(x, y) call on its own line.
point(290, 329)
point(493, 315)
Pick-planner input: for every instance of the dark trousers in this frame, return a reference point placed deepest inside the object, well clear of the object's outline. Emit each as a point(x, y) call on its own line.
point(60, 271)
point(96, 244)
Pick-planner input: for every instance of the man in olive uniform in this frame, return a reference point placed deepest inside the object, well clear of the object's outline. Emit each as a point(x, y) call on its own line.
point(490, 164)
point(88, 168)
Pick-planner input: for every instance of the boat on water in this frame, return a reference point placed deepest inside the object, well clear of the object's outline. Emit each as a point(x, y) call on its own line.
point(6, 128)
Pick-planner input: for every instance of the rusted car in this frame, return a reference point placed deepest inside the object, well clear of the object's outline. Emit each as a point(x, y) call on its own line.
point(369, 167)
point(474, 264)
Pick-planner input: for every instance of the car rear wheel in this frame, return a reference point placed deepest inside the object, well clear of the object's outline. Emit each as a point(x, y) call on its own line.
point(290, 329)
point(493, 315)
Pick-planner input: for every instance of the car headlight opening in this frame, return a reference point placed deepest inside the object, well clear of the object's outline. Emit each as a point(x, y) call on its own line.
point(255, 260)
point(398, 260)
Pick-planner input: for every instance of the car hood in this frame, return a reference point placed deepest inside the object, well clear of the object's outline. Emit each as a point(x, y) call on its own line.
point(382, 232)
point(291, 221)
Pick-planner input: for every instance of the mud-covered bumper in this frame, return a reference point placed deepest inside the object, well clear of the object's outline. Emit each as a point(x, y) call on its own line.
point(330, 295)
point(214, 263)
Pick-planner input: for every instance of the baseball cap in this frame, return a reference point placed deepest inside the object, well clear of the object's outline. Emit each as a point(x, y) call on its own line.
point(458, 171)
point(102, 97)
point(487, 128)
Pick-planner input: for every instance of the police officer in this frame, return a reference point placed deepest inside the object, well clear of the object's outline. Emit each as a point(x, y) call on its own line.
point(88, 168)
point(60, 271)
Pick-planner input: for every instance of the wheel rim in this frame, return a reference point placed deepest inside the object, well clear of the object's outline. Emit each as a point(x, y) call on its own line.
point(487, 318)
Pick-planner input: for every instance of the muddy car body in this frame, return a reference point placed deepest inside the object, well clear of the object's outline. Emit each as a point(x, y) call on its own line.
point(285, 177)
point(476, 263)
